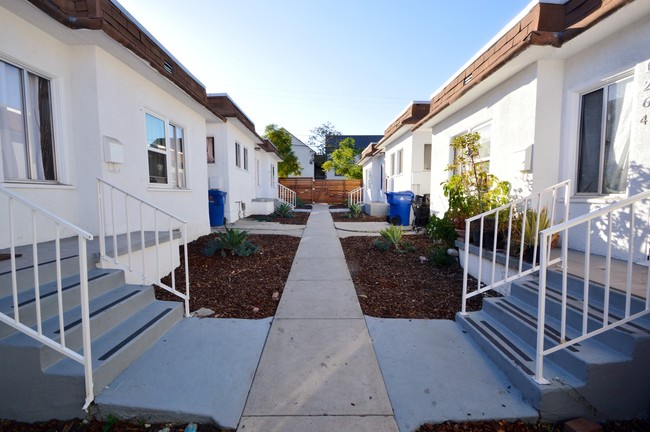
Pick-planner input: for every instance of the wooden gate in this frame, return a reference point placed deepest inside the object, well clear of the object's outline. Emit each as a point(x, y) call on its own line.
point(321, 191)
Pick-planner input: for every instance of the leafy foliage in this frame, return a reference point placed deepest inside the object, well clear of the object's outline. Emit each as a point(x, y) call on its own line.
point(355, 210)
point(233, 240)
point(300, 202)
point(343, 160)
point(471, 189)
point(441, 232)
point(318, 137)
point(281, 138)
point(392, 237)
point(438, 257)
point(283, 211)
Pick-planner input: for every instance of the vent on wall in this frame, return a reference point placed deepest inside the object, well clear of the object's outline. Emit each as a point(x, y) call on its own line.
point(467, 79)
point(168, 67)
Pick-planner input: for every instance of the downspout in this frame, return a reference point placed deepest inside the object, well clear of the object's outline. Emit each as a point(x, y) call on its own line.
point(71, 21)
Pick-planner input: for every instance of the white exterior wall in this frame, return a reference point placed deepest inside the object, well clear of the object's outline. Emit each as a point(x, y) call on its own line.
point(305, 157)
point(373, 179)
point(510, 110)
point(238, 183)
point(96, 95)
point(626, 52)
point(266, 180)
point(402, 181)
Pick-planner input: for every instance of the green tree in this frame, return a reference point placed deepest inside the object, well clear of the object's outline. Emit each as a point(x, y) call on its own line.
point(319, 135)
point(343, 160)
point(281, 138)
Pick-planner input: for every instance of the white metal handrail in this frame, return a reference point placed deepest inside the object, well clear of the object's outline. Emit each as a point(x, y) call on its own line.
point(356, 196)
point(517, 209)
point(287, 195)
point(609, 321)
point(60, 345)
point(122, 214)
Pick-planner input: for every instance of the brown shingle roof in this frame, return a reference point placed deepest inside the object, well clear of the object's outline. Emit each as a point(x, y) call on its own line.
point(104, 15)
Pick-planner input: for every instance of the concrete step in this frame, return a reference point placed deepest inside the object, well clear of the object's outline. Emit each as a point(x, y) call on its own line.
point(625, 338)
point(25, 273)
point(117, 348)
point(511, 354)
point(99, 282)
point(577, 360)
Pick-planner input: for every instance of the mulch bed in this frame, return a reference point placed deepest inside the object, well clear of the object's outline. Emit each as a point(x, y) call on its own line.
point(299, 218)
point(391, 284)
point(77, 425)
point(237, 287)
point(345, 217)
point(504, 426)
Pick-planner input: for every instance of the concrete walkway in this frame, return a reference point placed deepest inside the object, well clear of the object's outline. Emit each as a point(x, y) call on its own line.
point(318, 370)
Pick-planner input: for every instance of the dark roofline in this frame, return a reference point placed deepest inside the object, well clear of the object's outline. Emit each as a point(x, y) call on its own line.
point(412, 115)
point(545, 25)
point(116, 23)
point(225, 106)
point(269, 147)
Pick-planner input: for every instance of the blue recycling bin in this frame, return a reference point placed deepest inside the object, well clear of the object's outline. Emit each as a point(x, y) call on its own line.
point(399, 207)
point(216, 203)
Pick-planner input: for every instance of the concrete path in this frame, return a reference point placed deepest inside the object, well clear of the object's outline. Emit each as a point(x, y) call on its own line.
point(318, 370)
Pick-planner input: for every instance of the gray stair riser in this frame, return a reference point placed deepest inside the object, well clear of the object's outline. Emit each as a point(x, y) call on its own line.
point(572, 362)
point(615, 338)
point(104, 371)
point(108, 370)
point(575, 287)
point(551, 400)
point(100, 324)
point(46, 274)
point(71, 298)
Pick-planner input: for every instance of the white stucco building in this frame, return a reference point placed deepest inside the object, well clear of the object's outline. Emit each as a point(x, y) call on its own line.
point(103, 102)
point(305, 156)
point(244, 165)
point(560, 93)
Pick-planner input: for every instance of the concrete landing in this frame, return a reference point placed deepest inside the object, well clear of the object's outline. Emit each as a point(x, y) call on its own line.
point(318, 371)
point(434, 372)
point(200, 371)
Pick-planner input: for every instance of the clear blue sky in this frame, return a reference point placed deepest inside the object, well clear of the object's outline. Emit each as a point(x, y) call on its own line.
point(301, 63)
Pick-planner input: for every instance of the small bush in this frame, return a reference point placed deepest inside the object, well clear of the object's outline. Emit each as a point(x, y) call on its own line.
point(439, 257)
point(233, 240)
point(300, 203)
point(381, 245)
point(441, 231)
point(283, 211)
point(355, 211)
point(392, 237)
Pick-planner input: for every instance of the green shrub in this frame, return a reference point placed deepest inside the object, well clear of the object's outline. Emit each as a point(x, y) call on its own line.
point(283, 211)
point(300, 202)
point(355, 210)
point(381, 245)
point(441, 231)
point(439, 257)
point(392, 237)
point(233, 240)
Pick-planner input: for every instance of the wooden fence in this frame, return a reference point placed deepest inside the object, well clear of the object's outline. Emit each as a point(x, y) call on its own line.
point(321, 191)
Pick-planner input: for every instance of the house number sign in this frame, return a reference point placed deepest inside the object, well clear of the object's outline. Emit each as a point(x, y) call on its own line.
point(646, 101)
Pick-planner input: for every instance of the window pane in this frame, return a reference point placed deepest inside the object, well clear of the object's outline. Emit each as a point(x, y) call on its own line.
point(237, 155)
point(617, 136)
point(246, 158)
point(209, 148)
point(13, 136)
point(155, 133)
point(42, 137)
point(427, 157)
point(590, 137)
point(157, 167)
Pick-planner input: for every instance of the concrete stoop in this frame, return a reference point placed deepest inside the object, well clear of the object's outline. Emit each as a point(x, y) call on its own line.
point(605, 377)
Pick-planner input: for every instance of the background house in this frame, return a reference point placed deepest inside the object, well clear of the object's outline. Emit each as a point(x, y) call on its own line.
point(245, 165)
point(305, 155)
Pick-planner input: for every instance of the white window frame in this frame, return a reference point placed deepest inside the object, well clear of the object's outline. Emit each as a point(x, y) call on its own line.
point(32, 165)
point(481, 159)
point(175, 176)
point(426, 163)
point(400, 162)
point(245, 158)
point(272, 174)
point(602, 85)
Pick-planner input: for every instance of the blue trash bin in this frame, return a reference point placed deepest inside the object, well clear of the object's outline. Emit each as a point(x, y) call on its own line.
point(399, 207)
point(216, 203)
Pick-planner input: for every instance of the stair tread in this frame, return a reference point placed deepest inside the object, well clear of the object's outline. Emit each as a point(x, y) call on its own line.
point(589, 351)
point(72, 316)
point(594, 311)
point(118, 338)
point(28, 296)
point(509, 344)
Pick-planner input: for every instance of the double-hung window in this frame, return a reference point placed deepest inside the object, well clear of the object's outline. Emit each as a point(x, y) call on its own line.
point(209, 148)
point(26, 132)
point(246, 158)
point(400, 161)
point(166, 152)
point(605, 125)
point(483, 159)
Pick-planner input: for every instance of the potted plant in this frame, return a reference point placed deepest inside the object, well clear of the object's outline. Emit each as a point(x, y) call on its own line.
point(471, 189)
point(528, 233)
